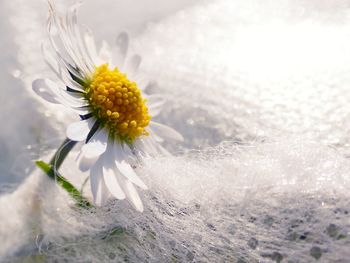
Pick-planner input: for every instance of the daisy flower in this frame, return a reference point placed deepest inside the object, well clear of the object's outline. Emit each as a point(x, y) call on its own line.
point(115, 127)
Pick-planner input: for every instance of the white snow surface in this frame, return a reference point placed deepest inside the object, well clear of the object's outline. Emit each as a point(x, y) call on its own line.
point(259, 91)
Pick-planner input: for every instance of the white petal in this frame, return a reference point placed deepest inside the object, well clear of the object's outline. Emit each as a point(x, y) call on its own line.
point(124, 167)
point(57, 29)
point(97, 145)
point(150, 87)
point(75, 94)
point(46, 88)
point(165, 131)
point(110, 175)
point(98, 187)
point(120, 50)
point(132, 65)
point(82, 110)
point(139, 148)
point(112, 183)
point(141, 80)
point(131, 194)
point(105, 53)
point(154, 99)
point(52, 62)
point(75, 37)
point(40, 88)
point(85, 163)
point(71, 100)
point(161, 149)
point(144, 148)
point(152, 146)
point(59, 67)
point(155, 104)
point(90, 45)
point(154, 135)
point(78, 131)
point(60, 32)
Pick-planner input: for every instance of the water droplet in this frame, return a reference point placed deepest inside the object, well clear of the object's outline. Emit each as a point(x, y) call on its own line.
point(16, 73)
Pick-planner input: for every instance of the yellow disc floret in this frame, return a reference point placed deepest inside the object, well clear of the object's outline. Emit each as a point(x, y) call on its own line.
point(117, 103)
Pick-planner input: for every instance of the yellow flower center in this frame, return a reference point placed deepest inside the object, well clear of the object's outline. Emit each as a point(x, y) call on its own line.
point(117, 103)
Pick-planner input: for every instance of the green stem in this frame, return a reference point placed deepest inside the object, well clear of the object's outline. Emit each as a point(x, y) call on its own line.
point(83, 185)
point(51, 170)
point(62, 153)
